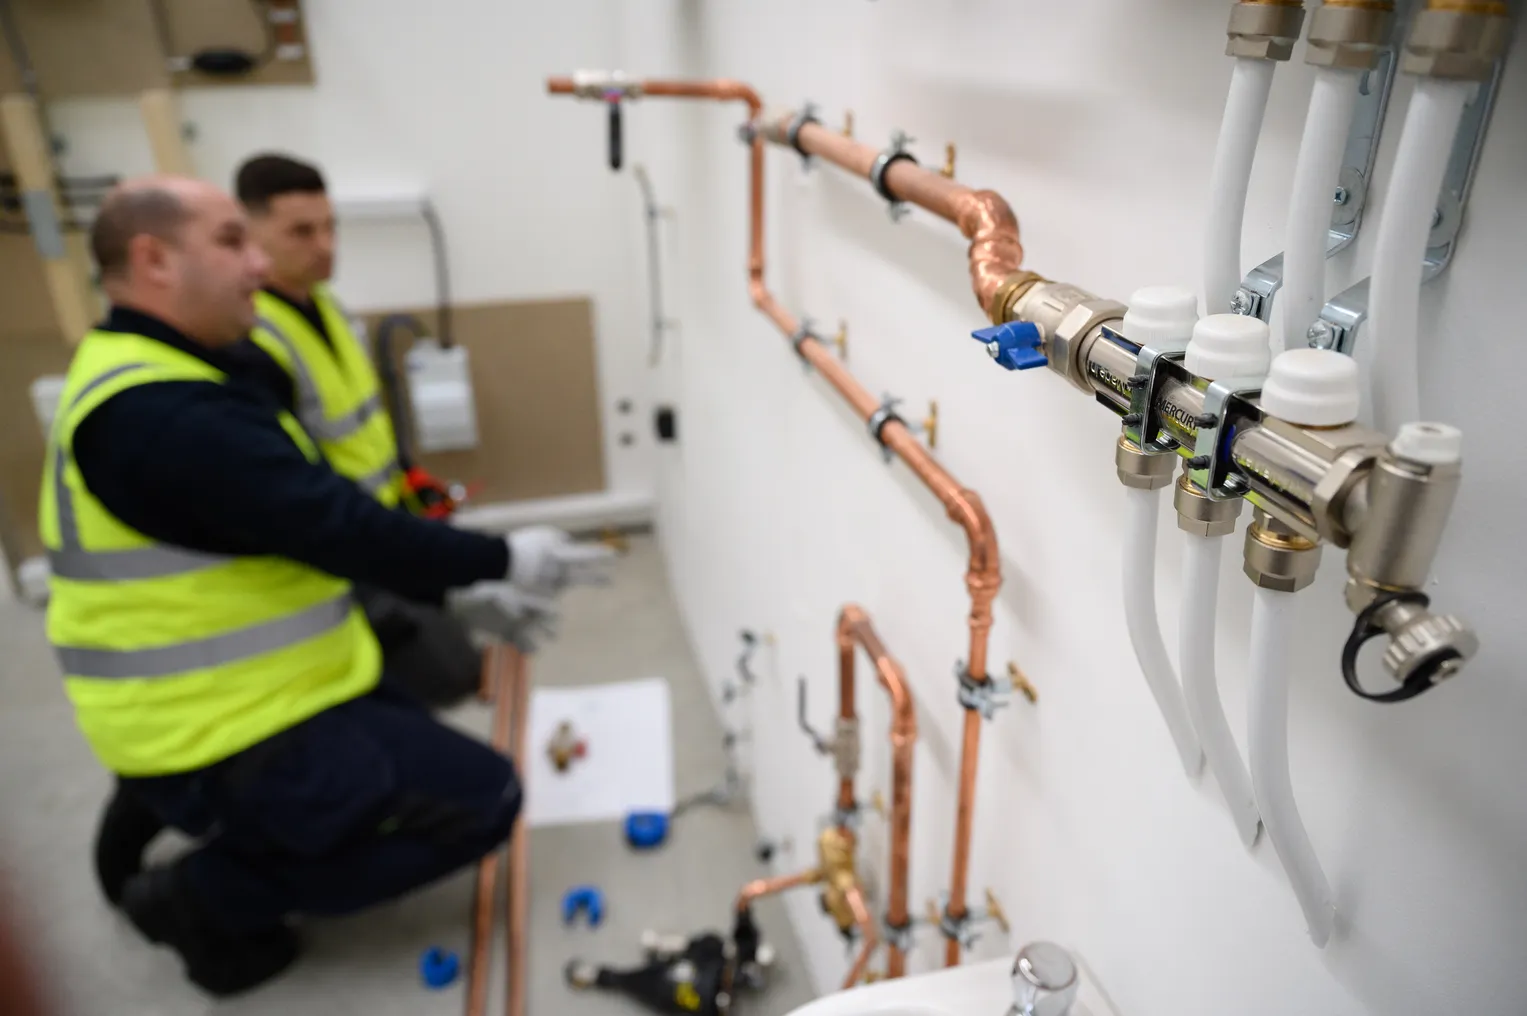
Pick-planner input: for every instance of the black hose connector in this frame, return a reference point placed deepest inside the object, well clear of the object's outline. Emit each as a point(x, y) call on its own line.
point(1420, 680)
point(617, 131)
point(225, 63)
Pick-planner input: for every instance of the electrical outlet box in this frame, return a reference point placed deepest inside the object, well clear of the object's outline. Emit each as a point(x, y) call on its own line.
point(440, 392)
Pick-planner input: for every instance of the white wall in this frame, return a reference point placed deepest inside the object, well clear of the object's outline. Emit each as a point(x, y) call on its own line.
point(449, 98)
point(1097, 120)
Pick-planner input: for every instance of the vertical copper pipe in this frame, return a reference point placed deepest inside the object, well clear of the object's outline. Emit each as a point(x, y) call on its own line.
point(518, 900)
point(755, 891)
point(996, 253)
point(867, 934)
point(854, 627)
point(496, 678)
point(847, 799)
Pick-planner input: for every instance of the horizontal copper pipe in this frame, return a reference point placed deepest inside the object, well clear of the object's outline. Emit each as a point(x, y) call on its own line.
point(495, 680)
point(984, 217)
point(755, 891)
point(869, 939)
point(856, 629)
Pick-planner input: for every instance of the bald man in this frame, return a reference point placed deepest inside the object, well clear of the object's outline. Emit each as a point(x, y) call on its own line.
point(203, 555)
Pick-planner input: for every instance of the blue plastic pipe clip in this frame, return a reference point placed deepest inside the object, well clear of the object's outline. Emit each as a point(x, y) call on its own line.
point(439, 967)
point(584, 898)
point(646, 829)
point(1014, 345)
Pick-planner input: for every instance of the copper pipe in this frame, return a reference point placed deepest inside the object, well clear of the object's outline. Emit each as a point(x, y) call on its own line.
point(518, 901)
point(866, 932)
point(995, 255)
point(984, 217)
point(854, 627)
point(495, 677)
point(754, 891)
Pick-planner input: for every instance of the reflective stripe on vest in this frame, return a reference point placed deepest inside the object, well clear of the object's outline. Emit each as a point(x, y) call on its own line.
point(310, 403)
point(167, 661)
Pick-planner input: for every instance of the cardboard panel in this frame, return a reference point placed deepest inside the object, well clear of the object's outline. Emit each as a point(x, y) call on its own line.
point(538, 408)
point(112, 47)
point(26, 356)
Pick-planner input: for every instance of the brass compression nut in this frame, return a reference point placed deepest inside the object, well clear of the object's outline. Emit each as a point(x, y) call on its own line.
point(1278, 558)
point(1265, 29)
point(1140, 469)
point(1199, 515)
point(1460, 41)
point(1006, 298)
point(1350, 34)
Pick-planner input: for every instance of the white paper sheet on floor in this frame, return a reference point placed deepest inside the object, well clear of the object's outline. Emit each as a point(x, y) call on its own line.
point(628, 730)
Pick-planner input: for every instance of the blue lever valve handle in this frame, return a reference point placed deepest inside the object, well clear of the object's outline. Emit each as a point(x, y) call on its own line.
point(1015, 345)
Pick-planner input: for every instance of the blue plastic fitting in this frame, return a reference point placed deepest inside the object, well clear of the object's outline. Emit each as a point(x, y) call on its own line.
point(583, 898)
point(439, 967)
point(646, 829)
point(1015, 345)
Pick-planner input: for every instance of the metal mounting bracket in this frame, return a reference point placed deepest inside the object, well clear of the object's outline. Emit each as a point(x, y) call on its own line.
point(1340, 320)
point(984, 697)
point(1209, 468)
point(1258, 289)
point(897, 152)
point(1458, 181)
point(1143, 422)
point(882, 416)
point(1362, 150)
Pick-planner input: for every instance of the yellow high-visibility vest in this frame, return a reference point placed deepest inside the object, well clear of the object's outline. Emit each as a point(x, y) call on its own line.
point(339, 397)
point(176, 659)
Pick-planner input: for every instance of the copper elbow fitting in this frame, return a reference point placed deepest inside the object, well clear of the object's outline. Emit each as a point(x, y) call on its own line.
point(1265, 29)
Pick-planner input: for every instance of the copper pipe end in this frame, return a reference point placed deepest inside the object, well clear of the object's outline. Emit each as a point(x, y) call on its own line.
point(757, 890)
point(869, 937)
point(559, 85)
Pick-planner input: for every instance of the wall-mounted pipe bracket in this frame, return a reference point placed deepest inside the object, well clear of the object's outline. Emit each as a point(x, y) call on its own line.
point(879, 418)
point(1020, 682)
point(947, 172)
point(898, 936)
point(897, 152)
point(963, 929)
point(984, 697)
point(1259, 289)
point(848, 123)
point(1459, 180)
point(840, 340)
point(1210, 468)
point(1340, 319)
point(804, 331)
point(807, 114)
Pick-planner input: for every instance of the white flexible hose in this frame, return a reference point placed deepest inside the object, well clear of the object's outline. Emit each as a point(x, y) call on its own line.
point(1250, 83)
point(1332, 106)
point(1200, 594)
point(1419, 166)
point(1145, 629)
point(1272, 630)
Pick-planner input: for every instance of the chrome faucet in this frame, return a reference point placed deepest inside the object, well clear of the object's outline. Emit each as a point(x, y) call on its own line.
point(1045, 981)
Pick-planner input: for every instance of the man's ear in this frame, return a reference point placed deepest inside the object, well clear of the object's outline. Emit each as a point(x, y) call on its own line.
point(148, 257)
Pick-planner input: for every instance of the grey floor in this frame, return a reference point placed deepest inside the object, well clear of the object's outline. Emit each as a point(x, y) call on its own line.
point(51, 791)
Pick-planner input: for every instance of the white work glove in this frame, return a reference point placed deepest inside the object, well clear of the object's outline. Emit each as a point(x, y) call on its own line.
point(543, 561)
point(506, 613)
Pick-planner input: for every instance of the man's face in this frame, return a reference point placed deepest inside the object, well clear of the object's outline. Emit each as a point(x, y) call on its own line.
point(297, 232)
point(210, 271)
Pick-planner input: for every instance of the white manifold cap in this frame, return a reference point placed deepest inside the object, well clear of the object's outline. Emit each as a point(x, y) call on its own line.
point(1160, 314)
point(1431, 444)
point(1313, 388)
point(1228, 345)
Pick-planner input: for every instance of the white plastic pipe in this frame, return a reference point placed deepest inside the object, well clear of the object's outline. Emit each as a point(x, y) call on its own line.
point(1316, 174)
point(1145, 629)
point(1395, 297)
point(1250, 83)
point(1200, 595)
point(1272, 631)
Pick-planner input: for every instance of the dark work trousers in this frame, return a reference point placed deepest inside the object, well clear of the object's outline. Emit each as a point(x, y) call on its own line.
point(360, 804)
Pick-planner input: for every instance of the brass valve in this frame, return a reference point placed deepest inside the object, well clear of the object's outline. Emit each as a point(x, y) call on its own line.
point(1021, 683)
point(948, 170)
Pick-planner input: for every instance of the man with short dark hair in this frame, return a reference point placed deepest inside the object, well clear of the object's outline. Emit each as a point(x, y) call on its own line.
point(202, 556)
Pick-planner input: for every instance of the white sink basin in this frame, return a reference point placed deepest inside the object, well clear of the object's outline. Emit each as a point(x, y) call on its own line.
point(979, 989)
